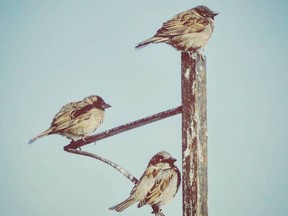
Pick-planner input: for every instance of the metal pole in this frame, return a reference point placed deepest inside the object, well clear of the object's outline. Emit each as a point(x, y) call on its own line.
point(194, 135)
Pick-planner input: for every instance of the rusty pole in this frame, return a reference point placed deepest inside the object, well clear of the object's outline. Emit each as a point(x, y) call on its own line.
point(194, 135)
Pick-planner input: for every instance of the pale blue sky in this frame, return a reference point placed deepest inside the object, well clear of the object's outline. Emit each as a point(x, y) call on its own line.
point(53, 52)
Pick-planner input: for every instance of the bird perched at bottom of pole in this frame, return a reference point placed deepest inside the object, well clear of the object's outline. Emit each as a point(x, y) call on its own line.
point(157, 186)
point(77, 120)
point(187, 31)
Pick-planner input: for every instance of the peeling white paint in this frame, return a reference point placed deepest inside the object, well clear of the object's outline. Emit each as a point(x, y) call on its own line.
point(194, 88)
point(200, 156)
point(194, 134)
point(186, 152)
point(187, 73)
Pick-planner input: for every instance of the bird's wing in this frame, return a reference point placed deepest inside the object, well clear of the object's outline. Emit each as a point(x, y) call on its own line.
point(70, 122)
point(183, 23)
point(64, 114)
point(148, 177)
point(70, 115)
point(157, 189)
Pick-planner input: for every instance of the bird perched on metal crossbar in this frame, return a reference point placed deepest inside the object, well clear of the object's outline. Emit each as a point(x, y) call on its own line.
point(157, 186)
point(77, 120)
point(187, 31)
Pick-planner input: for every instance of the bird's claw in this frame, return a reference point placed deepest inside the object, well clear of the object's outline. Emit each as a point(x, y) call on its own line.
point(199, 54)
point(157, 211)
point(84, 138)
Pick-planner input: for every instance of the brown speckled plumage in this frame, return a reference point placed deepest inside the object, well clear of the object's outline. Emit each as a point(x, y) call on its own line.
point(157, 186)
point(76, 120)
point(187, 31)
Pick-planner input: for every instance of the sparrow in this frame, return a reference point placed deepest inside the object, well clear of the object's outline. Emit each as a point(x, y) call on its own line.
point(187, 31)
point(77, 120)
point(157, 186)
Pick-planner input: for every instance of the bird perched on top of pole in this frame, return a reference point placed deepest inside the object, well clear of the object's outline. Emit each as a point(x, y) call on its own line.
point(187, 31)
point(77, 120)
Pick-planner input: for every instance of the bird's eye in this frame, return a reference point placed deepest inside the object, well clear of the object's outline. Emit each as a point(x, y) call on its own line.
point(159, 158)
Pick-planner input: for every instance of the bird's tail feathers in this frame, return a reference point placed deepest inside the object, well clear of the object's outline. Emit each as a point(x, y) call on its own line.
point(151, 40)
point(44, 133)
point(123, 205)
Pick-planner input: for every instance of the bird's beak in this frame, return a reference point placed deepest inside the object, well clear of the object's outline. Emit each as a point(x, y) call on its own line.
point(215, 14)
point(173, 159)
point(105, 106)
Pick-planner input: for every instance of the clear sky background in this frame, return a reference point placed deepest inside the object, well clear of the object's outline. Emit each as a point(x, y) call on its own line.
point(53, 52)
